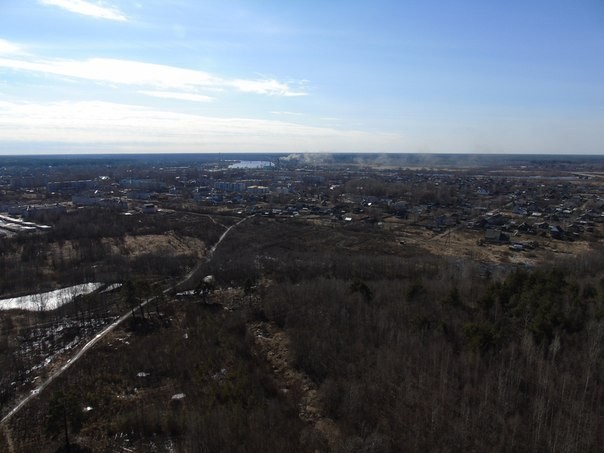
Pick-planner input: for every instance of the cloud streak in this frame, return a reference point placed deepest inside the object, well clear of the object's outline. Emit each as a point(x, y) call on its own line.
point(87, 8)
point(98, 126)
point(157, 76)
point(267, 86)
point(178, 95)
point(8, 48)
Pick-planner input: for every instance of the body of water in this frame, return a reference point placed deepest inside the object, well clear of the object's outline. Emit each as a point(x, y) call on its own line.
point(251, 164)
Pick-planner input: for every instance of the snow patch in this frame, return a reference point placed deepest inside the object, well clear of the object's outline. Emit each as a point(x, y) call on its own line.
point(49, 300)
point(111, 288)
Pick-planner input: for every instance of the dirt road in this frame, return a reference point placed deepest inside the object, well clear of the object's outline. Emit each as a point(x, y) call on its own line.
point(186, 279)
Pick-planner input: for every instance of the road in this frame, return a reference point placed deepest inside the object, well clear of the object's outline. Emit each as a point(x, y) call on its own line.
point(186, 279)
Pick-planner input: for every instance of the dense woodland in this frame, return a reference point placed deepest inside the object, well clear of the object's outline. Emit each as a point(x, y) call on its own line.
point(418, 353)
point(407, 351)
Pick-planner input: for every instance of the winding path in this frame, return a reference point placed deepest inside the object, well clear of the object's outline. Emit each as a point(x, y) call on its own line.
point(110, 327)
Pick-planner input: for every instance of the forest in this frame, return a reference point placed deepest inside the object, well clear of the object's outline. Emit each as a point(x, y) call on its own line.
point(314, 338)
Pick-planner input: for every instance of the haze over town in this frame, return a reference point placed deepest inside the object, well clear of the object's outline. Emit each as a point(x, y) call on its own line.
point(80, 76)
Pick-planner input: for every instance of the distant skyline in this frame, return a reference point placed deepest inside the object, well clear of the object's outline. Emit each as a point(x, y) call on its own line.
point(151, 76)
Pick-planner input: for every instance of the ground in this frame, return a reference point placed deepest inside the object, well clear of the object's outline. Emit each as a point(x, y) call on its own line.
point(135, 371)
point(170, 243)
point(466, 244)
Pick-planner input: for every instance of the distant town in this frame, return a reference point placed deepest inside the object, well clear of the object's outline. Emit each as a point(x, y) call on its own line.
point(510, 199)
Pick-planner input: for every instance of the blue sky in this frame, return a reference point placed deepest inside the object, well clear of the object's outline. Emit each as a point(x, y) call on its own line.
point(302, 76)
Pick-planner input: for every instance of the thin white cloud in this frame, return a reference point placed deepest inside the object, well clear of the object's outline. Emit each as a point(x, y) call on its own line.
point(157, 76)
point(7, 47)
point(286, 113)
point(120, 127)
point(88, 8)
point(269, 86)
point(123, 72)
point(178, 95)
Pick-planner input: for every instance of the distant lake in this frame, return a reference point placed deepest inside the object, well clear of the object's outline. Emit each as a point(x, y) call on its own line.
point(251, 164)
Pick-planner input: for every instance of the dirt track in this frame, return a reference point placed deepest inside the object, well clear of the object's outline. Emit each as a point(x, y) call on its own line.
point(54, 375)
point(272, 345)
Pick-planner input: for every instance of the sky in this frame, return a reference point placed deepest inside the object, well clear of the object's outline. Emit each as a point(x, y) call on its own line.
point(161, 76)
